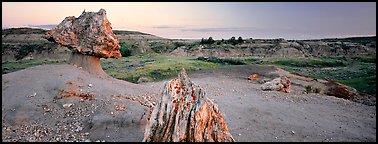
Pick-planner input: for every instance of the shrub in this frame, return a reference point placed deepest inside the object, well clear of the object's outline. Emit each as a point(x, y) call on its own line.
point(308, 88)
point(311, 89)
point(178, 44)
point(317, 90)
point(127, 48)
point(222, 60)
point(240, 40)
point(207, 41)
point(24, 50)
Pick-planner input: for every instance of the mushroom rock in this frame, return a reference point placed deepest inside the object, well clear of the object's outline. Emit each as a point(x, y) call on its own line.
point(278, 84)
point(89, 36)
point(184, 114)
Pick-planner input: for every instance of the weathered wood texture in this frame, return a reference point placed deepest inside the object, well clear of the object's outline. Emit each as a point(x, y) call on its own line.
point(184, 114)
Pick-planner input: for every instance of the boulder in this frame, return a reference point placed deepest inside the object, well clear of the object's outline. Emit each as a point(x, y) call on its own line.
point(278, 84)
point(90, 37)
point(89, 34)
point(346, 92)
point(184, 114)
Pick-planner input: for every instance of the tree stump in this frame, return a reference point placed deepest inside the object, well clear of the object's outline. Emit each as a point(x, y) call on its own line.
point(184, 114)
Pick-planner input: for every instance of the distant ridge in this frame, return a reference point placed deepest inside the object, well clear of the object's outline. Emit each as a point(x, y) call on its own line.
point(346, 39)
point(27, 30)
point(23, 30)
point(120, 32)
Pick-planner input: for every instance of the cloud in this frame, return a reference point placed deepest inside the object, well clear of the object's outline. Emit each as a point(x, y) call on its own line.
point(207, 29)
point(167, 27)
point(49, 26)
point(224, 29)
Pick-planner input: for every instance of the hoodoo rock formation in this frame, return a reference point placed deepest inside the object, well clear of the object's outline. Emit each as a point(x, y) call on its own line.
point(90, 37)
point(184, 114)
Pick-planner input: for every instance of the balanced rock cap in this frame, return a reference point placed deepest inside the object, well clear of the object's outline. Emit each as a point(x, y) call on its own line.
point(89, 34)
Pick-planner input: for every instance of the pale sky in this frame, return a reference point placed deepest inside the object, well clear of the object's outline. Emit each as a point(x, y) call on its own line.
point(289, 20)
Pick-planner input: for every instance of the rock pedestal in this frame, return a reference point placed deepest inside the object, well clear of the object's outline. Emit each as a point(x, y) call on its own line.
point(184, 114)
point(90, 37)
point(89, 63)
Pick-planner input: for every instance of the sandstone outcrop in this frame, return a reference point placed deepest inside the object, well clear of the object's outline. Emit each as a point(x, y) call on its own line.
point(277, 84)
point(90, 37)
point(184, 114)
point(89, 34)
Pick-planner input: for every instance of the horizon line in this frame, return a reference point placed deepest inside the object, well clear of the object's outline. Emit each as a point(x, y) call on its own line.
point(121, 29)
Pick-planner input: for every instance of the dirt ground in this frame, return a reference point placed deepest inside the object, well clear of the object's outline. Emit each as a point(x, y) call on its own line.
point(108, 109)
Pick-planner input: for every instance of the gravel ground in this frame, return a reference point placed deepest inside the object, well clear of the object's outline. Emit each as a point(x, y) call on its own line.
point(97, 109)
point(270, 116)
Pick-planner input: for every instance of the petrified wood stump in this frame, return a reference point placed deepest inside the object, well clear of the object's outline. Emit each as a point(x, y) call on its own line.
point(278, 84)
point(184, 114)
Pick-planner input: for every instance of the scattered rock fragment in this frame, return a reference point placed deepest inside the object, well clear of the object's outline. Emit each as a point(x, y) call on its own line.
point(278, 84)
point(68, 105)
point(253, 77)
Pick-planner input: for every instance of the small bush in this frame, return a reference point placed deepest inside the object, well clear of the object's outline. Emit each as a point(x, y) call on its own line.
point(311, 89)
point(24, 50)
point(317, 90)
point(207, 41)
point(225, 61)
point(308, 88)
point(127, 48)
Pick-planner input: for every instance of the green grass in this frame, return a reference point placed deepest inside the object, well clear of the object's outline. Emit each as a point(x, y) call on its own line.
point(358, 72)
point(366, 84)
point(8, 67)
point(308, 62)
point(151, 67)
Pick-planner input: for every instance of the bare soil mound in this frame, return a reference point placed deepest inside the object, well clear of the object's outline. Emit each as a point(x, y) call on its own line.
point(66, 103)
point(104, 109)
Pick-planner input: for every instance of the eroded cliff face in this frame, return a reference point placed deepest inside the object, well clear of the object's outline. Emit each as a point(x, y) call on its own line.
point(283, 49)
point(15, 39)
point(185, 114)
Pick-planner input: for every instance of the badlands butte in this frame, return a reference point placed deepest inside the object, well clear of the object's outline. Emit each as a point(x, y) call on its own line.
point(14, 39)
point(233, 89)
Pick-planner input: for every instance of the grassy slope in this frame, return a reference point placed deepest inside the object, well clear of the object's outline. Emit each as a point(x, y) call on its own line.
point(151, 67)
point(357, 72)
point(8, 67)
